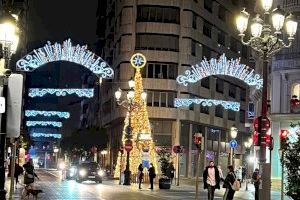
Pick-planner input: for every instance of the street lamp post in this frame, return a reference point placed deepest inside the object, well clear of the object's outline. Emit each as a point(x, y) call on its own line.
point(233, 143)
point(248, 145)
point(266, 41)
point(197, 141)
point(8, 43)
point(130, 105)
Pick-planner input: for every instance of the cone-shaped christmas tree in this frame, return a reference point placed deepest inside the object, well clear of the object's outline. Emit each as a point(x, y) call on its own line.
point(143, 151)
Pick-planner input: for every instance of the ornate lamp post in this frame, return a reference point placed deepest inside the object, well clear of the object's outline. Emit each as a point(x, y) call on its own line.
point(8, 44)
point(130, 105)
point(266, 39)
point(233, 142)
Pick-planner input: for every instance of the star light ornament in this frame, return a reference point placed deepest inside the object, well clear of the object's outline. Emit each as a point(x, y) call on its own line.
point(40, 92)
point(221, 66)
point(44, 123)
point(34, 113)
point(138, 61)
point(47, 135)
point(65, 52)
point(230, 105)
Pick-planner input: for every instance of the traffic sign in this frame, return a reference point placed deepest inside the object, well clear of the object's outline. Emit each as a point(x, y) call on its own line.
point(233, 144)
point(177, 149)
point(128, 145)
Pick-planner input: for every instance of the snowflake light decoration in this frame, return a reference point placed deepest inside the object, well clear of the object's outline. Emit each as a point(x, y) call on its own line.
point(46, 135)
point(222, 66)
point(40, 92)
point(34, 113)
point(65, 52)
point(230, 105)
point(138, 61)
point(44, 123)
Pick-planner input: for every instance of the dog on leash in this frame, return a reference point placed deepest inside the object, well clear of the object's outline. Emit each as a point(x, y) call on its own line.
point(29, 191)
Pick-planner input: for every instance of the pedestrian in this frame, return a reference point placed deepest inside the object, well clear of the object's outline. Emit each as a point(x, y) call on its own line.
point(256, 182)
point(140, 175)
point(18, 171)
point(211, 179)
point(171, 170)
point(228, 182)
point(244, 170)
point(29, 172)
point(152, 175)
point(220, 172)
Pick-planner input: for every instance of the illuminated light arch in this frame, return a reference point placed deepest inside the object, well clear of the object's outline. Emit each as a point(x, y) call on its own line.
point(65, 52)
point(40, 92)
point(44, 123)
point(34, 113)
point(221, 66)
point(230, 105)
point(46, 135)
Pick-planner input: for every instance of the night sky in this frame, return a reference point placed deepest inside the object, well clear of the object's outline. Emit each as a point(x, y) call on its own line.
point(56, 20)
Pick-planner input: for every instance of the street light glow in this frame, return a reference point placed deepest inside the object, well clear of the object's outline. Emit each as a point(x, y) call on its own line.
point(242, 21)
point(278, 19)
point(267, 4)
point(256, 26)
point(233, 132)
point(291, 25)
point(118, 94)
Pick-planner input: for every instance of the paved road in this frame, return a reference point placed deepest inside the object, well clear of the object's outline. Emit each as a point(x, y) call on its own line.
point(55, 189)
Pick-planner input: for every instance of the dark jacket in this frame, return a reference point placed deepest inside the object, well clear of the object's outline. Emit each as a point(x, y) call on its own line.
point(255, 178)
point(152, 172)
point(217, 177)
point(229, 180)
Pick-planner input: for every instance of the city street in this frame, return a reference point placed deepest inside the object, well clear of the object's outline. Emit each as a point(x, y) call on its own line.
point(54, 188)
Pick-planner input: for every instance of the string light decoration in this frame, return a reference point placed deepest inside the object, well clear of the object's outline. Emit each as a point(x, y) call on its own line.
point(221, 66)
point(140, 124)
point(44, 123)
point(230, 105)
point(47, 135)
point(40, 92)
point(65, 52)
point(34, 113)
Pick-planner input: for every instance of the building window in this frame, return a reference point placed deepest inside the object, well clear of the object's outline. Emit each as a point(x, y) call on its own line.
point(221, 37)
point(242, 116)
point(222, 13)
point(242, 94)
point(232, 91)
point(160, 70)
point(208, 4)
point(220, 85)
point(193, 47)
point(296, 91)
point(157, 42)
point(219, 111)
point(231, 115)
point(204, 109)
point(158, 14)
point(160, 98)
point(233, 44)
point(206, 52)
point(149, 98)
point(194, 21)
point(205, 82)
point(207, 28)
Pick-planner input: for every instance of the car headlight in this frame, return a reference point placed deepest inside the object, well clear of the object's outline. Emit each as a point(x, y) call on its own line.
point(82, 172)
point(100, 172)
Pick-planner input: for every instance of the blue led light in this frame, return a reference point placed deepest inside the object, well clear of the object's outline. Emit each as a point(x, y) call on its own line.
point(65, 52)
point(222, 66)
point(230, 105)
point(44, 123)
point(33, 113)
point(37, 92)
point(46, 135)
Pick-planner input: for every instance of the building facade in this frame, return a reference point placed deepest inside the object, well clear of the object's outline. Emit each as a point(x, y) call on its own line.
point(174, 35)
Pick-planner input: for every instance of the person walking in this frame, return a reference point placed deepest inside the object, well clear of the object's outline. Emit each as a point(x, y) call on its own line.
point(228, 182)
point(140, 175)
point(152, 175)
point(29, 172)
point(18, 171)
point(171, 170)
point(211, 179)
point(256, 182)
point(220, 173)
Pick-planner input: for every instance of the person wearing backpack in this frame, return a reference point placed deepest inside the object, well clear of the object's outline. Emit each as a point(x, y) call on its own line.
point(231, 184)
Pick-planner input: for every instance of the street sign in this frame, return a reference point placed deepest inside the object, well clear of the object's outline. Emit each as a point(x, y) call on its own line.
point(177, 149)
point(2, 105)
point(128, 145)
point(261, 123)
point(14, 105)
point(233, 144)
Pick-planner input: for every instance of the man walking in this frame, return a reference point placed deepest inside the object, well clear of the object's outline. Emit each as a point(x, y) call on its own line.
point(211, 179)
point(256, 182)
point(152, 175)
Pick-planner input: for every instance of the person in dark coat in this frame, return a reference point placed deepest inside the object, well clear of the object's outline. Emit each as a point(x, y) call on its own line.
point(18, 171)
point(152, 175)
point(256, 182)
point(211, 179)
point(29, 172)
point(228, 182)
point(140, 175)
point(171, 171)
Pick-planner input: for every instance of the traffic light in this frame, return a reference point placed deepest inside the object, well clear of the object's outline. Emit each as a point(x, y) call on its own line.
point(283, 138)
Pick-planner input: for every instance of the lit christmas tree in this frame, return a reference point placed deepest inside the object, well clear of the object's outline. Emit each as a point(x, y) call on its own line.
point(143, 150)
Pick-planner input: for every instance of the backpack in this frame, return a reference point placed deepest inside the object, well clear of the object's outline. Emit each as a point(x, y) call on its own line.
point(236, 184)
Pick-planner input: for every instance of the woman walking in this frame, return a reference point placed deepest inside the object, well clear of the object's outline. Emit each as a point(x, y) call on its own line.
point(228, 182)
point(140, 175)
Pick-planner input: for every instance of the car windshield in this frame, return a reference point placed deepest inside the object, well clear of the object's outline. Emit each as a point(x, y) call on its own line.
point(92, 165)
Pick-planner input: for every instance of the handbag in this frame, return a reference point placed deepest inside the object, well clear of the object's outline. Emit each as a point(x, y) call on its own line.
point(236, 184)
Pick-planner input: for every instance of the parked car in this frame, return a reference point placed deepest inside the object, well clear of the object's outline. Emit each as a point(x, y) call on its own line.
point(89, 171)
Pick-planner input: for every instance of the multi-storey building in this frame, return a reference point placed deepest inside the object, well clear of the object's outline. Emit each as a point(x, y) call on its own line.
point(173, 35)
